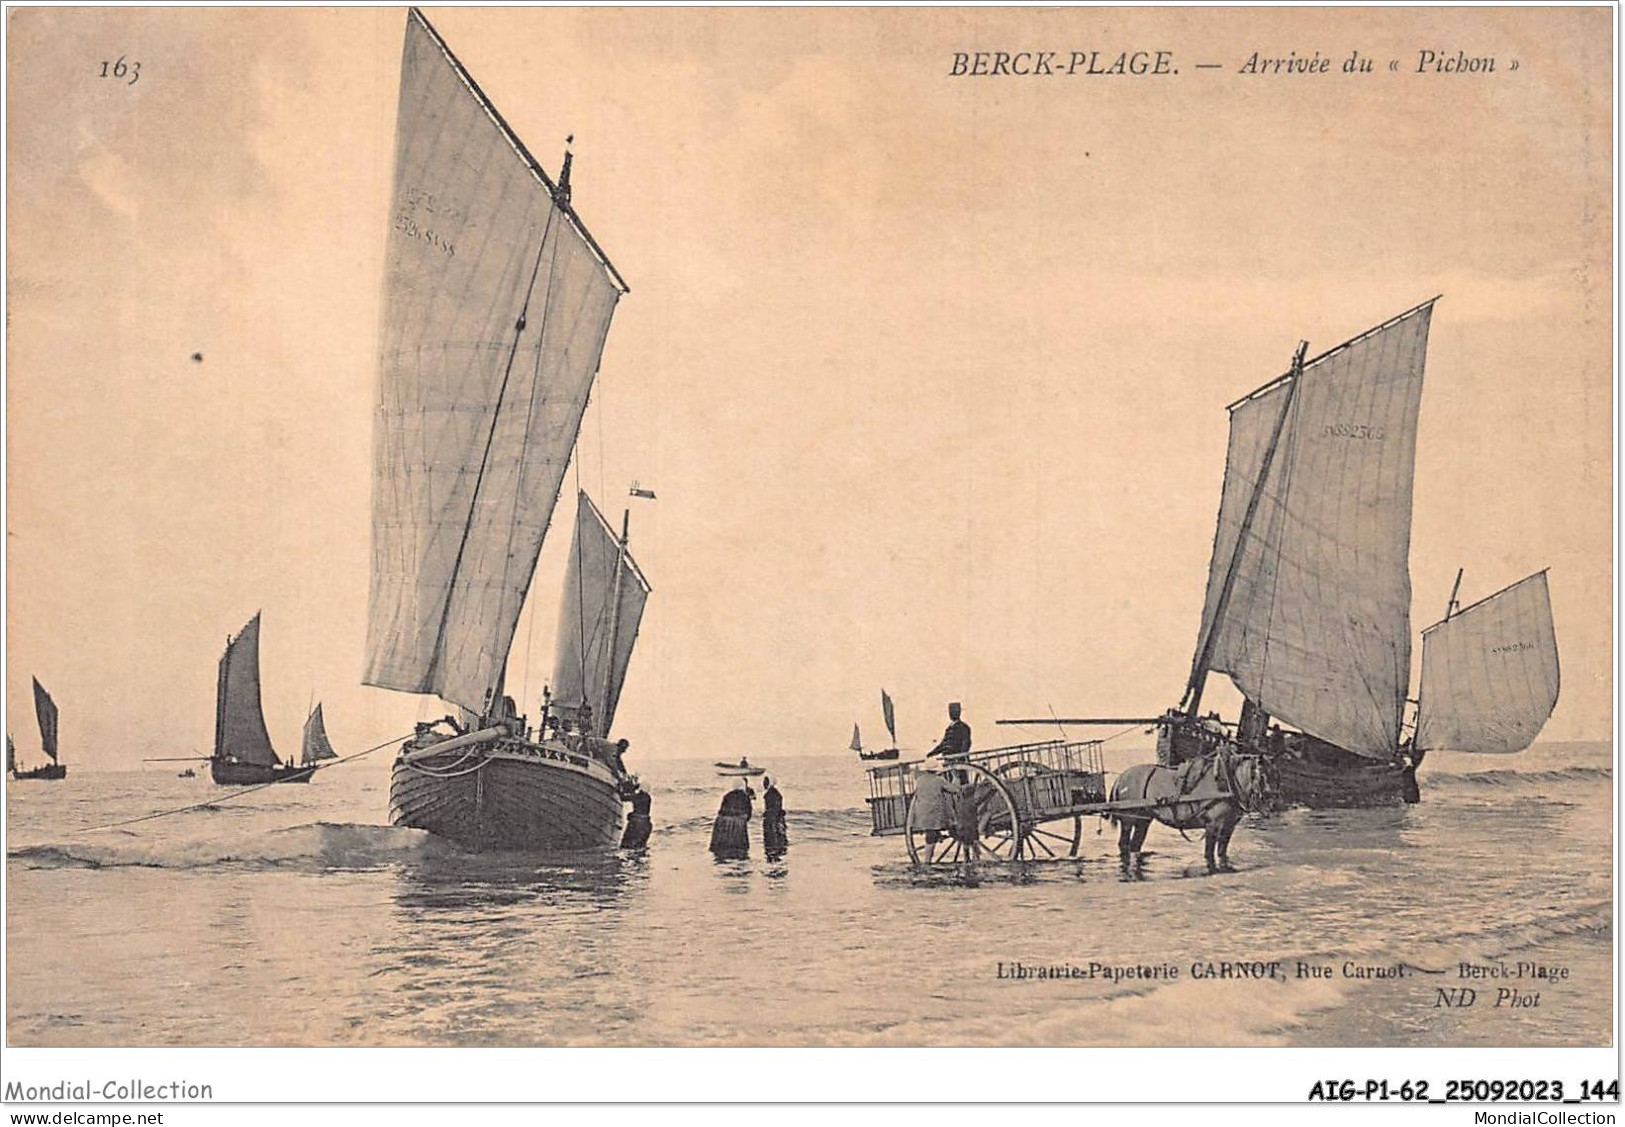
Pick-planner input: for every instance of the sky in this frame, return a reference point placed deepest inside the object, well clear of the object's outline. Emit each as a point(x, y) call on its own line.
point(928, 372)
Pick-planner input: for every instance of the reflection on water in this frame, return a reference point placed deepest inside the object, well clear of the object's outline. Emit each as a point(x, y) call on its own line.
point(295, 917)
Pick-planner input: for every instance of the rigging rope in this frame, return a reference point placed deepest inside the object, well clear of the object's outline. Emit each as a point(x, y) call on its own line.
point(524, 447)
point(247, 790)
point(451, 772)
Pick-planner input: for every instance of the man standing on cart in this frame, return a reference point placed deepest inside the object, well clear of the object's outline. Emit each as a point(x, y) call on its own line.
point(956, 739)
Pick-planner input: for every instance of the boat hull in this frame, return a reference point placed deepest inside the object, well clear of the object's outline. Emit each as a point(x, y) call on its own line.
point(235, 773)
point(1309, 772)
point(1348, 782)
point(49, 771)
point(513, 796)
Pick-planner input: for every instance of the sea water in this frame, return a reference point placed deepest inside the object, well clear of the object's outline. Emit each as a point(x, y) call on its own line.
point(295, 915)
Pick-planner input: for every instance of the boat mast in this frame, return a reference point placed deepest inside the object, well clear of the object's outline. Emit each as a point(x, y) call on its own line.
point(1193, 691)
point(1450, 609)
point(615, 614)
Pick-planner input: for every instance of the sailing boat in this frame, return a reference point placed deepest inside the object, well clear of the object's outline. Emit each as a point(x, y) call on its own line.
point(497, 302)
point(891, 728)
point(314, 747)
point(1308, 594)
point(45, 713)
point(242, 747)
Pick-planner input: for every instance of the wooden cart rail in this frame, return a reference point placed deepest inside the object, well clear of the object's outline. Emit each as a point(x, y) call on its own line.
point(998, 804)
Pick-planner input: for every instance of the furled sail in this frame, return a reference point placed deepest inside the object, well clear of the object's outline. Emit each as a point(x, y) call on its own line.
point(1315, 628)
point(604, 595)
point(45, 710)
point(315, 747)
point(11, 754)
point(496, 306)
point(239, 725)
point(1489, 672)
point(891, 719)
point(857, 740)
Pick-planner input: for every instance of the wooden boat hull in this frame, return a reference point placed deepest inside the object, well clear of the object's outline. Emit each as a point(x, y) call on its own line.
point(740, 772)
point(889, 753)
point(516, 796)
point(49, 771)
point(1331, 786)
point(1310, 772)
point(232, 772)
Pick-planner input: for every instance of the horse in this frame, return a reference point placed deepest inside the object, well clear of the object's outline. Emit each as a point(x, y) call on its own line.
point(1212, 793)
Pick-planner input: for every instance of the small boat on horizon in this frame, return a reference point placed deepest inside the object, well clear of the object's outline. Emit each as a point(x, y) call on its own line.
point(243, 755)
point(45, 712)
point(739, 770)
point(891, 729)
point(314, 745)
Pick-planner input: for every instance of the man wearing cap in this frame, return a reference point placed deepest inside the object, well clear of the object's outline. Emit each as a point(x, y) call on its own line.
point(956, 739)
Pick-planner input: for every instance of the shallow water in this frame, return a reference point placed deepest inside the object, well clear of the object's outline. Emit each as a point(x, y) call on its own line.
point(291, 916)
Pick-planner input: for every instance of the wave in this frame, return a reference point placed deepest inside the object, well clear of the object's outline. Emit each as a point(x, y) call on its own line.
point(1504, 777)
point(316, 845)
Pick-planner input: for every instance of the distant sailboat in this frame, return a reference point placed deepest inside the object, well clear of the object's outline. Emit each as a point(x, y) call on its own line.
point(891, 729)
point(242, 747)
point(45, 712)
point(314, 747)
point(497, 303)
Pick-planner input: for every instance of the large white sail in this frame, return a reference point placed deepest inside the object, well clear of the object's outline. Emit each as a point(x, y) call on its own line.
point(496, 305)
point(239, 727)
point(604, 596)
point(315, 746)
point(1316, 624)
point(1489, 673)
point(45, 712)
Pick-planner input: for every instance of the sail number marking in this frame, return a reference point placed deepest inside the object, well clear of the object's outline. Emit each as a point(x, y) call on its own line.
point(1369, 432)
point(1513, 648)
point(119, 69)
point(410, 227)
point(415, 201)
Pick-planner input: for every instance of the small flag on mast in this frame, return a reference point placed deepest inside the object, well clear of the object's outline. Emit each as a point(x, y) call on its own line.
point(638, 491)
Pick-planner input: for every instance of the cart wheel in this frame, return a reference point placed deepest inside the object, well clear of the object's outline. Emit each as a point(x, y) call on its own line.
point(1040, 842)
point(985, 824)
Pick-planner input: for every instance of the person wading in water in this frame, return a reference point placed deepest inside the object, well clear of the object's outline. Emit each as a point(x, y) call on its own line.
point(775, 834)
point(730, 838)
point(638, 823)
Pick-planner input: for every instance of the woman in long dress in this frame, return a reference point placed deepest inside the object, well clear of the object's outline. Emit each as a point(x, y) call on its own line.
point(729, 835)
point(775, 834)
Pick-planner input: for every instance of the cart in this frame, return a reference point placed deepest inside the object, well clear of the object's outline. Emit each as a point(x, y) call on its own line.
point(998, 804)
